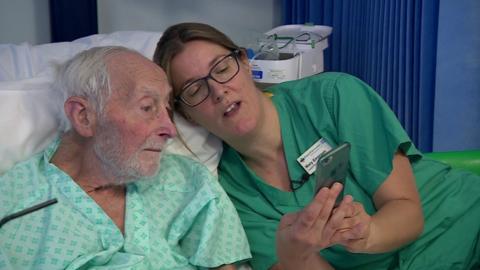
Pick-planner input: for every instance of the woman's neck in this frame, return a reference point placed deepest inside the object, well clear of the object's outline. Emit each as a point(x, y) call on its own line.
point(262, 149)
point(264, 143)
point(264, 140)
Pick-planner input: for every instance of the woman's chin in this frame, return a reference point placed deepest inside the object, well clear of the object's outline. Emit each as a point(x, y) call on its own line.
point(245, 128)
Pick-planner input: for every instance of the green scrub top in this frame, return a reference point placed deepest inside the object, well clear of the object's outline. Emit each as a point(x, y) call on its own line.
point(179, 219)
point(339, 108)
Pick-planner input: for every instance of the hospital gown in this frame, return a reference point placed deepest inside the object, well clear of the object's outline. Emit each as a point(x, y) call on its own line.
point(333, 108)
point(176, 220)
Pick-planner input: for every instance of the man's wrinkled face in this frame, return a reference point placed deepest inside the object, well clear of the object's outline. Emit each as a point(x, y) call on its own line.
point(132, 131)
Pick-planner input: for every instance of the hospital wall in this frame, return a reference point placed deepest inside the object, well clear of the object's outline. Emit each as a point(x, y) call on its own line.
point(241, 20)
point(28, 20)
point(24, 21)
point(456, 122)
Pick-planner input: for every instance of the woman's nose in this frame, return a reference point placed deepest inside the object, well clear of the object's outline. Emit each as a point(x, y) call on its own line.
point(218, 91)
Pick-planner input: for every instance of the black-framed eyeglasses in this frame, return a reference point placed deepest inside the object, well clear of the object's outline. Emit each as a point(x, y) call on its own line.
point(222, 72)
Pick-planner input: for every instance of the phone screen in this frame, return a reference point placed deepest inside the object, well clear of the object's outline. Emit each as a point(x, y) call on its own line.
point(332, 167)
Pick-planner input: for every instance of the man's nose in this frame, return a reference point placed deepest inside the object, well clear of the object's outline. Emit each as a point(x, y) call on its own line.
point(167, 127)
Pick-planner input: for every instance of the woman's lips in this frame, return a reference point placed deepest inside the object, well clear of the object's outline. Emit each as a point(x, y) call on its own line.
point(232, 109)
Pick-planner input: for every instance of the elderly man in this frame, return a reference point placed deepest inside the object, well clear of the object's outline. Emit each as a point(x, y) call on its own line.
point(108, 203)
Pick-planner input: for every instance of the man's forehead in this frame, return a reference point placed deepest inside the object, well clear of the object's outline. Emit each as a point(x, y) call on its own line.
point(136, 93)
point(132, 89)
point(130, 71)
point(162, 91)
point(124, 61)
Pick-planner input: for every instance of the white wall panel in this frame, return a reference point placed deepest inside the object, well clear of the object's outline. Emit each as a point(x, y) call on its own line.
point(24, 21)
point(241, 20)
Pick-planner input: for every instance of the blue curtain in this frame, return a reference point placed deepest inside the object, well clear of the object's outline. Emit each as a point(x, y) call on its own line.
point(389, 44)
point(70, 20)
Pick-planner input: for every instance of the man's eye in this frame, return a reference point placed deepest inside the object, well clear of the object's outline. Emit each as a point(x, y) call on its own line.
point(147, 108)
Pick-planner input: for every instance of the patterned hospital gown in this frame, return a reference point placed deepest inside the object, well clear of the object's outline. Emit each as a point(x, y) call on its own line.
point(181, 219)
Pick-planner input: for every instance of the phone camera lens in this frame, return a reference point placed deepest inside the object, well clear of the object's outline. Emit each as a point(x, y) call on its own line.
point(327, 160)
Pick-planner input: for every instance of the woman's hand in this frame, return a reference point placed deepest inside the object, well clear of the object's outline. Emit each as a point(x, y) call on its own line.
point(353, 231)
point(301, 235)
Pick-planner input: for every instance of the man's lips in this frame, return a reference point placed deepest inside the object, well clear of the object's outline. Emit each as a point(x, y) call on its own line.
point(153, 150)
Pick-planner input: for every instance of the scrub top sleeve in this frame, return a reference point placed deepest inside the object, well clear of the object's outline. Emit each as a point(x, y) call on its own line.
point(365, 121)
point(217, 234)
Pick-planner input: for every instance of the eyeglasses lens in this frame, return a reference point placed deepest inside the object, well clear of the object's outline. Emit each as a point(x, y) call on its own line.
point(221, 72)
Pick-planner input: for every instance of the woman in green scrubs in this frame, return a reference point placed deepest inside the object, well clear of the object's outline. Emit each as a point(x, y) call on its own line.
point(407, 212)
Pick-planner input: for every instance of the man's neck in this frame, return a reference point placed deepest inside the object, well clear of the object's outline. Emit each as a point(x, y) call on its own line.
point(75, 156)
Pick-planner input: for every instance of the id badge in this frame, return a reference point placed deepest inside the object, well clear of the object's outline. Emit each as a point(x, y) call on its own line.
point(308, 160)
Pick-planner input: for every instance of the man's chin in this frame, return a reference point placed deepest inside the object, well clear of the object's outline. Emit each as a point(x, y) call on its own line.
point(136, 171)
point(146, 172)
point(136, 177)
point(151, 172)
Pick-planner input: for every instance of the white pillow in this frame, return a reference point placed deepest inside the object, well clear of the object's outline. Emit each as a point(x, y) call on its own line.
point(26, 61)
point(27, 117)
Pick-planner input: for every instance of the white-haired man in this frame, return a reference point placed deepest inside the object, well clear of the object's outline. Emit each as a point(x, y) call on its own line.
point(107, 201)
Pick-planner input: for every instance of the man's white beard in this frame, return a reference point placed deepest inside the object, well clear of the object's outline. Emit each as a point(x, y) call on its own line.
point(110, 149)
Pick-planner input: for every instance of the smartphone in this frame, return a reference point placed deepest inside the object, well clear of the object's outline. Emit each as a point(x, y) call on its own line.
point(332, 167)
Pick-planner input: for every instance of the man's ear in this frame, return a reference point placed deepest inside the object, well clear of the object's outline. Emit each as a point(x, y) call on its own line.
point(81, 115)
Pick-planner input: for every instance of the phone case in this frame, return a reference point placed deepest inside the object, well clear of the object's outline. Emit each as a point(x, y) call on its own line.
point(332, 167)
